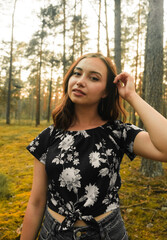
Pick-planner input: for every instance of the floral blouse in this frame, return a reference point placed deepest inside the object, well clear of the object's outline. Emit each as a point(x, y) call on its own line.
point(83, 168)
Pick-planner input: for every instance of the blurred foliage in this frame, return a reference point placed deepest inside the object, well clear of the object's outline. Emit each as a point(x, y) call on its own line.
point(4, 187)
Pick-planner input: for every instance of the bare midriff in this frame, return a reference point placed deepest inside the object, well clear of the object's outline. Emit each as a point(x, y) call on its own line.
point(79, 223)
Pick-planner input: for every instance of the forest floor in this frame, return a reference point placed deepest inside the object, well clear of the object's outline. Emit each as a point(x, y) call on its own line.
point(143, 200)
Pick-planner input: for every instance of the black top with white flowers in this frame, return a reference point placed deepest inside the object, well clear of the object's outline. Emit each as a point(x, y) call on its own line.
point(83, 168)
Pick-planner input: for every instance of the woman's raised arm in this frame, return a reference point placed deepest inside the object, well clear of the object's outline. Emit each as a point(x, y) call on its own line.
point(153, 143)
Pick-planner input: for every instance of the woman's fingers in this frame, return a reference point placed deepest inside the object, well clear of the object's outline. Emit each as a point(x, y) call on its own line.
point(121, 77)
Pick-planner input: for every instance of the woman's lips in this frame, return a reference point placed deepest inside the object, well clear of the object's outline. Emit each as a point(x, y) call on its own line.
point(78, 92)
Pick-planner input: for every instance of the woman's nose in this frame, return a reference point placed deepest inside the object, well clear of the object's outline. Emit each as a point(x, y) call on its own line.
point(81, 81)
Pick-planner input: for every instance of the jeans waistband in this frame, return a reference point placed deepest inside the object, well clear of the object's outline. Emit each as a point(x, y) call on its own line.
point(106, 227)
point(101, 222)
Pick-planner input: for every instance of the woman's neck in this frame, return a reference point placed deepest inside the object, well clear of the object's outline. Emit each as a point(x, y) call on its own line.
point(86, 118)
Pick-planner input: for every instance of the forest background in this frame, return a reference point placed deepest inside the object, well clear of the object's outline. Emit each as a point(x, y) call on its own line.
point(39, 41)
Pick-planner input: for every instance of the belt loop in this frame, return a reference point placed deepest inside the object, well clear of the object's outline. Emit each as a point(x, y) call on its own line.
point(101, 232)
point(54, 228)
point(74, 233)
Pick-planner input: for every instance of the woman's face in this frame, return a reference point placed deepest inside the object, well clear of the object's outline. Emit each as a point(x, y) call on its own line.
point(87, 85)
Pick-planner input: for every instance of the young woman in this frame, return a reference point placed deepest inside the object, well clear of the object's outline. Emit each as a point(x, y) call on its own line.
point(77, 160)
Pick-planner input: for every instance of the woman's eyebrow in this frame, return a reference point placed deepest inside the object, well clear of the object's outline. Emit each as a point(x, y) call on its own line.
point(96, 73)
point(78, 68)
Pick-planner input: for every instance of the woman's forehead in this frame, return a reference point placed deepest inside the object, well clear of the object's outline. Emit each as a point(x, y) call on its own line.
point(92, 64)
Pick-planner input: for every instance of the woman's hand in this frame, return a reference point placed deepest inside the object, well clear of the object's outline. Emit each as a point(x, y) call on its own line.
point(153, 143)
point(125, 85)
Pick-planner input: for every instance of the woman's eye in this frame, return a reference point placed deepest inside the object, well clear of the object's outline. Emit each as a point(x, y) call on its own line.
point(76, 74)
point(94, 78)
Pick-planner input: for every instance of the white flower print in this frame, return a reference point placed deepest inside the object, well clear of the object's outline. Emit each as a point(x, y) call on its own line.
point(113, 180)
point(31, 143)
point(124, 134)
point(61, 210)
point(130, 147)
point(51, 129)
point(69, 157)
point(68, 224)
point(57, 161)
point(84, 133)
point(32, 149)
point(66, 143)
point(95, 159)
point(99, 145)
point(76, 154)
point(111, 207)
point(36, 143)
point(62, 155)
point(76, 161)
point(129, 127)
point(117, 133)
point(87, 218)
point(117, 164)
point(43, 158)
point(70, 177)
point(108, 152)
point(106, 200)
point(104, 172)
point(53, 201)
point(91, 195)
point(70, 206)
point(112, 139)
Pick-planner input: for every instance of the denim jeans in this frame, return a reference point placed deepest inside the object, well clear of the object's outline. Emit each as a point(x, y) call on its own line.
point(111, 228)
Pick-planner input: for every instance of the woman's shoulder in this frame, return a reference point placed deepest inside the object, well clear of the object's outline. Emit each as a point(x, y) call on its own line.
point(123, 127)
point(115, 125)
point(48, 131)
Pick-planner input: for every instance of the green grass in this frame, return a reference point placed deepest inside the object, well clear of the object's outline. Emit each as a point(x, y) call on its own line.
point(4, 187)
point(143, 200)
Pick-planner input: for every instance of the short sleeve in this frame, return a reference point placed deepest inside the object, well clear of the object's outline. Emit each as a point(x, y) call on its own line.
point(39, 146)
point(130, 131)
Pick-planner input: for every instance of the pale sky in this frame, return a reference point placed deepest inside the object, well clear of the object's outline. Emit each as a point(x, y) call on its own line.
point(26, 21)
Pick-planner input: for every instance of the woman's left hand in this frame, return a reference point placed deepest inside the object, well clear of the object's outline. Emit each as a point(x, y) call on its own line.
point(125, 85)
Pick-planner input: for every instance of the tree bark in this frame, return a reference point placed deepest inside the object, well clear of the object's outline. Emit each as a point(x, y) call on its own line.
point(50, 95)
point(81, 37)
point(10, 69)
point(38, 92)
point(153, 72)
point(107, 38)
point(74, 33)
point(64, 38)
point(99, 19)
point(117, 57)
point(137, 59)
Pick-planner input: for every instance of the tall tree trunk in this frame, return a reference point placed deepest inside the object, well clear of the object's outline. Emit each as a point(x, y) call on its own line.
point(142, 94)
point(117, 57)
point(64, 38)
point(38, 92)
point(10, 69)
point(74, 33)
point(137, 58)
point(99, 20)
point(81, 37)
point(107, 38)
point(153, 73)
point(50, 94)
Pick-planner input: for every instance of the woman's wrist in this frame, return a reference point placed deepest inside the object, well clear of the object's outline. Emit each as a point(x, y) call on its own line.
point(131, 97)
